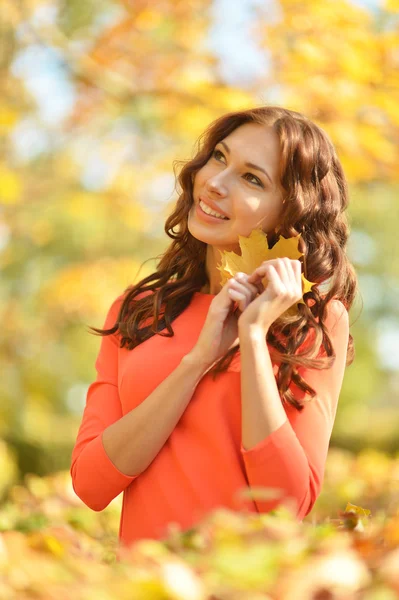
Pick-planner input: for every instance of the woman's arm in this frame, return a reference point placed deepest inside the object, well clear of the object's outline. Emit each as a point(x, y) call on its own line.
point(282, 448)
point(111, 450)
point(133, 441)
point(262, 410)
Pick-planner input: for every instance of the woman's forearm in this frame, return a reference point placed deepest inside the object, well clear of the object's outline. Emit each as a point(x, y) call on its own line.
point(262, 410)
point(133, 441)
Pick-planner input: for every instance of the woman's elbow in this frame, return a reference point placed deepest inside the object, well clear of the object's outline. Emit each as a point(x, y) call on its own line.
point(85, 492)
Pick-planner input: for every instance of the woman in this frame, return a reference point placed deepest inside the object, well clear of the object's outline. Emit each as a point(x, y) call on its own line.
point(204, 390)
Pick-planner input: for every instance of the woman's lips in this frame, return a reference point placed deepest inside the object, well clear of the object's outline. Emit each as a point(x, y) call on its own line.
point(208, 218)
point(213, 206)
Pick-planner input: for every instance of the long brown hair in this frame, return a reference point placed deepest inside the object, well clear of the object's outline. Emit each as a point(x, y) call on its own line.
point(316, 197)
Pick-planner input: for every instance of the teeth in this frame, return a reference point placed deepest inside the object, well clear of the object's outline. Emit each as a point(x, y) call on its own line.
point(209, 211)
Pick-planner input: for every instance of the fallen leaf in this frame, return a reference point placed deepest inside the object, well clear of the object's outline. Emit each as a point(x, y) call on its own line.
point(363, 512)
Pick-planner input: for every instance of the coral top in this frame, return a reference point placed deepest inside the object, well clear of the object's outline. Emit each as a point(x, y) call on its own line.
point(203, 465)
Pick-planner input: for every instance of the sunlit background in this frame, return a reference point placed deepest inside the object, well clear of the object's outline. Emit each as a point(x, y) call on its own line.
point(98, 98)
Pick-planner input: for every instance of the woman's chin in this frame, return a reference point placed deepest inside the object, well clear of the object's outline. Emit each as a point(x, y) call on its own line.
point(204, 233)
point(199, 231)
point(205, 237)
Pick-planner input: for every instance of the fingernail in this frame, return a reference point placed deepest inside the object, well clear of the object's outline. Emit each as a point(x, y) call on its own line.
point(240, 275)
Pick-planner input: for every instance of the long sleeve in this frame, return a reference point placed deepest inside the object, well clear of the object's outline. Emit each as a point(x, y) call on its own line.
point(292, 459)
point(96, 480)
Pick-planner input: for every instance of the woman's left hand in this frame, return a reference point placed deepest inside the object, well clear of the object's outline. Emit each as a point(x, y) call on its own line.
point(284, 289)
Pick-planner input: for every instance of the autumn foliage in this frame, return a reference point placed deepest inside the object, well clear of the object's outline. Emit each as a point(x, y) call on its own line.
point(83, 198)
point(53, 547)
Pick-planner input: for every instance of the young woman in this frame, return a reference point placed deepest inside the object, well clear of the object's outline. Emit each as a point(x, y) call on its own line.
point(204, 390)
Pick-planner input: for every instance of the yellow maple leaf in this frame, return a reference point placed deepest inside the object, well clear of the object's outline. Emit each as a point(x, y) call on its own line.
point(359, 510)
point(254, 251)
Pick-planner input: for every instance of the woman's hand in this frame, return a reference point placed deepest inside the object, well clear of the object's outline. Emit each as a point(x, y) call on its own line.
point(220, 330)
point(284, 288)
point(244, 304)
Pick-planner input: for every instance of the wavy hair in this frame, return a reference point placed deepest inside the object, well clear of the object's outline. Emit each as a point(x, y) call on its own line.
point(316, 196)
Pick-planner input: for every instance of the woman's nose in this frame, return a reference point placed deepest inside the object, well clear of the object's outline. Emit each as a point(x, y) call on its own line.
point(216, 186)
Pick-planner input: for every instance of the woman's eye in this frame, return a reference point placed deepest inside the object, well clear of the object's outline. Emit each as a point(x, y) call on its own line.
point(215, 152)
point(257, 181)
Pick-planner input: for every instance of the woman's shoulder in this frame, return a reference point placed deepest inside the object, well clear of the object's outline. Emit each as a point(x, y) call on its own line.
point(337, 317)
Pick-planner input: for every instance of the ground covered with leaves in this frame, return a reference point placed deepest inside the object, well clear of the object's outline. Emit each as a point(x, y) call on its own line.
point(53, 547)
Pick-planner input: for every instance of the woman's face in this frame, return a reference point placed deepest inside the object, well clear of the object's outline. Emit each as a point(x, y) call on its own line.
point(249, 195)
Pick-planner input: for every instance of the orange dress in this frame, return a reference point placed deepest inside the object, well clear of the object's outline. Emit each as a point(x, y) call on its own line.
point(203, 465)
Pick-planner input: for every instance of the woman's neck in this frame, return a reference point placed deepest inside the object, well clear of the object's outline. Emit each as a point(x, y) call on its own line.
point(213, 257)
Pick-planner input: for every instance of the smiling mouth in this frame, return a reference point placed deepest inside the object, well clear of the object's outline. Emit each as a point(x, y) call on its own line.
point(210, 212)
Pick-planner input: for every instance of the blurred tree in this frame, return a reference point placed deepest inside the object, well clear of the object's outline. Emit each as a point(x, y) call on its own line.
point(339, 64)
point(97, 100)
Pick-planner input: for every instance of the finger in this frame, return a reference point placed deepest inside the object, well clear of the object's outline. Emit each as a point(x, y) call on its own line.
point(238, 297)
point(232, 300)
point(275, 285)
point(259, 273)
point(286, 293)
point(292, 275)
point(243, 278)
point(289, 280)
point(284, 266)
point(284, 272)
point(296, 268)
point(256, 279)
point(243, 290)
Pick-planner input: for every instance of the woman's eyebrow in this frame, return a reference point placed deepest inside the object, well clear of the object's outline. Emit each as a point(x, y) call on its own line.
point(249, 164)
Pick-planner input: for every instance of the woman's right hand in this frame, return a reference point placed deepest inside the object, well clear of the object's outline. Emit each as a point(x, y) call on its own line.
point(220, 330)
